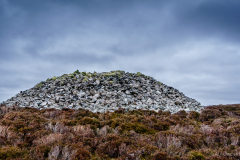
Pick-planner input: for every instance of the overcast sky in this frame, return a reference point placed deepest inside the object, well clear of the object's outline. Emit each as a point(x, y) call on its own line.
point(193, 46)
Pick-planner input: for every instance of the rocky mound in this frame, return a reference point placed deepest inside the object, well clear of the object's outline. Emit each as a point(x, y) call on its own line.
point(99, 92)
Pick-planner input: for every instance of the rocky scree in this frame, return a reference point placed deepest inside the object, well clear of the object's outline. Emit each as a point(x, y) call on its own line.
point(101, 92)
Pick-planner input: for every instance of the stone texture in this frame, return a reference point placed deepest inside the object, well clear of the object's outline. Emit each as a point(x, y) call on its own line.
point(99, 92)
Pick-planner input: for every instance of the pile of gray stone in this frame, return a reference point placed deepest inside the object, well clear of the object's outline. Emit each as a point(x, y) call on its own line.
point(99, 92)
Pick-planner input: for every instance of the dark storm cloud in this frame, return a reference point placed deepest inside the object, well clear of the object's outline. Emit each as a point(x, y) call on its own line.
point(213, 18)
point(190, 45)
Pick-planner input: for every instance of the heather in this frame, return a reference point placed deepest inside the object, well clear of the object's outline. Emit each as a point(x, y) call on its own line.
point(30, 133)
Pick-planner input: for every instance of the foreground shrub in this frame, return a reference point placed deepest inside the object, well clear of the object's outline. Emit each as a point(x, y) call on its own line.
point(29, 133)
point(110, 147)
point(12, 153)
point(209, 114)
point(137, 127)
point(82, 154)
point(41, 152)
point(160, 126)
point(194, 155)
point(160, 156)
point(194, 115)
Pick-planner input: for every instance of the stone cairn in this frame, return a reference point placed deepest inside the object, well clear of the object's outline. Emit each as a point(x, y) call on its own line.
point(99, 92)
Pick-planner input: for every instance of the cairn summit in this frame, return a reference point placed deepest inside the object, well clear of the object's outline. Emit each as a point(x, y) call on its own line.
point(99, 92)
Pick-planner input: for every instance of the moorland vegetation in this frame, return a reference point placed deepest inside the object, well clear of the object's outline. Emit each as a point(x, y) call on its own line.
point(30, 133)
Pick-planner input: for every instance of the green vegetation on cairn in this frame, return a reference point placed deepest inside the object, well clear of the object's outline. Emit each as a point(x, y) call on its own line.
point(39, 85)
point(88, 75)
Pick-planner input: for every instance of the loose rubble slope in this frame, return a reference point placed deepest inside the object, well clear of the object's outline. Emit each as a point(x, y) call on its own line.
point(99, 92)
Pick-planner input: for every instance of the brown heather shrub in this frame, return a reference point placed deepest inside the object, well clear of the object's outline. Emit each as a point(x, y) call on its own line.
point(182, 113)
point(88, 120)
point(187, 129)
point(29, 133)
point(49, 139)
point(110, 146)
point(4, 110)
point(160, 126)
point(82, 154)
point(51, 113)
point(209, 114)
point(83, 131)
point(148, 151)
point(166, 113)
point(59, 127)
point(194, 155)
point(104, 131)
point(207, 129)
point(137, 127)
point(194, 115)
point(160, 156)
point(12, 153)
point(41, 152)
point(236, 129)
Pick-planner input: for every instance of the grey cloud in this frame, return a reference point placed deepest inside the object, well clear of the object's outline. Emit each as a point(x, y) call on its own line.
point(219, 19)
point(190, 45)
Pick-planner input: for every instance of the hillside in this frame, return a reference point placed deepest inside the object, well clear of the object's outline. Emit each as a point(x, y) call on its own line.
point(114, 115)
point(99, 92)
point(30, 133)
